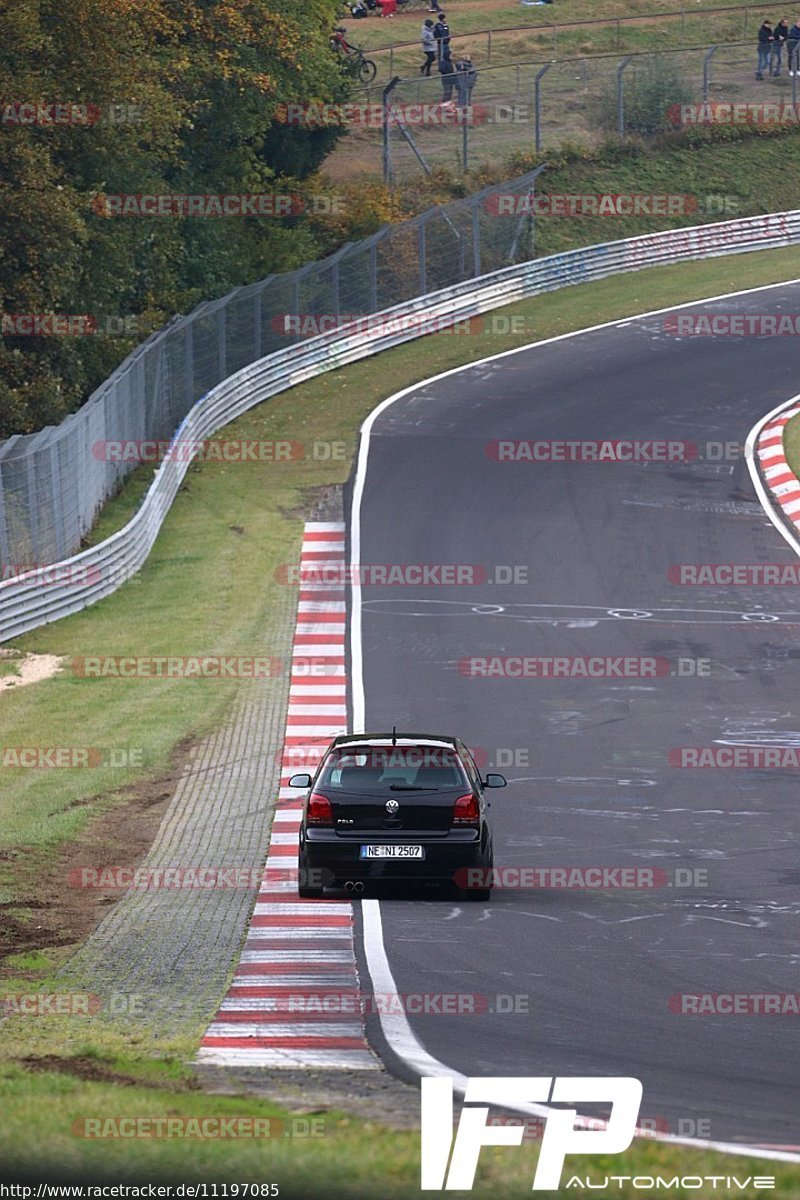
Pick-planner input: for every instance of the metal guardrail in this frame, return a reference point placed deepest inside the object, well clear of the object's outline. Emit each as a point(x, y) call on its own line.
point(47, 594)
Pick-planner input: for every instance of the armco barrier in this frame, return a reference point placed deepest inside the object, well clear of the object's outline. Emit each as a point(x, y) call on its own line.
point(37, 597)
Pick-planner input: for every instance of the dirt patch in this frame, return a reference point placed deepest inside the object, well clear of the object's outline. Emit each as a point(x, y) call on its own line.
point(29, 668)
point(82, 1068)
point(52, 912)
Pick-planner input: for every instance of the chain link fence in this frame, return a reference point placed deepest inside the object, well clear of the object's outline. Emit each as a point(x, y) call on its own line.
point(53, 483)
point(531, 106)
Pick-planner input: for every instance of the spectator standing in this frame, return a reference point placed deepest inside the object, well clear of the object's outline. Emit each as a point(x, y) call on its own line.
point(441, 32)
point(792, 42)
point(466, 78)
point(448, 74)
point(764, 49)
point(428, 47)
point(388, 7)
point(779, 35)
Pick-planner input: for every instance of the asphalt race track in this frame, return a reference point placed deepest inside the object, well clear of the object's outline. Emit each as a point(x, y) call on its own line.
point(597, 969)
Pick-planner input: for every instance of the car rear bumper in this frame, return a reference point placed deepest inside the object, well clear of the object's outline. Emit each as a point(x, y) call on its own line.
point(324, 851)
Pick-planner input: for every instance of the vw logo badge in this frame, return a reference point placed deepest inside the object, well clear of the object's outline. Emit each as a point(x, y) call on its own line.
point(392, 807)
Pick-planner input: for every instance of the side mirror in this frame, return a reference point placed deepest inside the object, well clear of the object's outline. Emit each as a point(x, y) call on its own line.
point(304, 781)
point(491, 781)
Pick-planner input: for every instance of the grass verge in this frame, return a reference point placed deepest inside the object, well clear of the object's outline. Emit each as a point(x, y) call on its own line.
point(308, 1155)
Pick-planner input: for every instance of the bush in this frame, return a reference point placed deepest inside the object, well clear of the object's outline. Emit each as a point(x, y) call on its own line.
point(650, 90)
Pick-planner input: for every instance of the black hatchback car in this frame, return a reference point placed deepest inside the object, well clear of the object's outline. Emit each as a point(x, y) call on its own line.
point(396, 807)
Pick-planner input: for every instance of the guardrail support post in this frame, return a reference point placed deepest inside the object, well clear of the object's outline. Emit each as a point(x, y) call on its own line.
point(709, 54)
point(537, 105)
point(621, 98)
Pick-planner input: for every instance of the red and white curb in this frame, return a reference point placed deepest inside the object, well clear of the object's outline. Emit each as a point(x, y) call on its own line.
point(781, 481)
point(299, 954)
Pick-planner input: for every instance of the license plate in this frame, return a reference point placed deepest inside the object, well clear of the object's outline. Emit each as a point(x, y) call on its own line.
point(392, 851)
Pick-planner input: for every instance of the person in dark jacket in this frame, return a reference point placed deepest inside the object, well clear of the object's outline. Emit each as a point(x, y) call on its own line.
point(764, 49)
point(448, 74)
point(441, 31)
point(466, 78)
point(792, 42)
point(779, 35)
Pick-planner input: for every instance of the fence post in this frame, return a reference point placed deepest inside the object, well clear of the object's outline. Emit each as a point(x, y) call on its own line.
point(537, 105)
point(190, 360)
point(489, 47)
point(373, 276)
point(709, 54)
point(5, 545)
point(60, 545)
point(621, 98)
point(476, 240)
point(387, 154)
point(221, 329)
point(422, 250)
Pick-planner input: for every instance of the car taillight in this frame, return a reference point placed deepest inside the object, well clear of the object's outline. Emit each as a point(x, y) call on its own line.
point(319, 810)
point(466, 811)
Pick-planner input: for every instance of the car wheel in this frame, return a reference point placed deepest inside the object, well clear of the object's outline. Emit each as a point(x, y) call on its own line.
point(306, 890)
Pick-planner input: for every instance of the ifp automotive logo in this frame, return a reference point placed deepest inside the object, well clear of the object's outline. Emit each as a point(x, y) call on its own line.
point(442, 1170)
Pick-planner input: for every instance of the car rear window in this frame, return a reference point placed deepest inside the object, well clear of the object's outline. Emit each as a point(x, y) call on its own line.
point(379, 768)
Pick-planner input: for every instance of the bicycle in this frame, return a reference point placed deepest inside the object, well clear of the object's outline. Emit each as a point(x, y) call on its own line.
point(355, 60)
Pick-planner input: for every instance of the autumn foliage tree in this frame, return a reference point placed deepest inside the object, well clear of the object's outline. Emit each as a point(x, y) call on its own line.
point(174, 96)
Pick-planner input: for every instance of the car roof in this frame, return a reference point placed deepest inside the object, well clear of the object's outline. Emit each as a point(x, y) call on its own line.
point(397, 739)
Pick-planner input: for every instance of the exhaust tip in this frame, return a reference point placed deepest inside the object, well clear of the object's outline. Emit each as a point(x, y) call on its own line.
point(358, 887)
point(348, 887)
